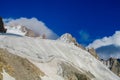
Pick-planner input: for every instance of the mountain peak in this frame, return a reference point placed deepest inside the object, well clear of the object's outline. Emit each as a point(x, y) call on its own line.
point(68, 38)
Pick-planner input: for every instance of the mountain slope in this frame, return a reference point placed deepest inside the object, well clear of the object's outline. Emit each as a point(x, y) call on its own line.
point(21, 30)
point(58, 60)
point(17, 67)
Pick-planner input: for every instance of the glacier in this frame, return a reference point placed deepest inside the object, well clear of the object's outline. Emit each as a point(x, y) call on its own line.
point(52, 57)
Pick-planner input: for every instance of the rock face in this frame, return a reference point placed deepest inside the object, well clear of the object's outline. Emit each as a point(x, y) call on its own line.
point(93, 52)
point(18, 67)
point(113, 64)
point(67, 38)
point(2, 29)
point(71, 73)
point(28, 32)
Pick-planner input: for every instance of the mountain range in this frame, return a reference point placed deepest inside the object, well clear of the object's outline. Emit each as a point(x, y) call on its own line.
point(31, 56)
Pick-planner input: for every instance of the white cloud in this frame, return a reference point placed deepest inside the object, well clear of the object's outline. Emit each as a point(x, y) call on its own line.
point(34, 24)
point(107, 46)
point(105, 41)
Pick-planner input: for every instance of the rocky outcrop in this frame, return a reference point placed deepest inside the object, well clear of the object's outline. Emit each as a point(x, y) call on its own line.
point(71, 73)
point(2, 29)
point(18, 67)
point(68, 38)
point(93, 52)
point(28, 32)
point(113, 64)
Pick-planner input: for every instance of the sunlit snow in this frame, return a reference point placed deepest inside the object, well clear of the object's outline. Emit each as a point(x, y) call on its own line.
point(46, 55)
point(6, 76)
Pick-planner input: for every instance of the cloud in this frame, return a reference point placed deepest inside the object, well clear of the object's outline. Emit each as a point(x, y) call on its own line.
point(84, 35)
point(108, 51)
point(34, 24)
point(111, 40)
point(107, 46)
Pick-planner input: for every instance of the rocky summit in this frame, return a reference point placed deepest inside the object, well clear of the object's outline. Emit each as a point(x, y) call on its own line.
point(68, 38)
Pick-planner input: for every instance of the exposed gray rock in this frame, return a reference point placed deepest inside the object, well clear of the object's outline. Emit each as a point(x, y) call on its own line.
point(93, 52)
point(113, 64)
point(2, 29)
point(72, 73)
point(68, 38)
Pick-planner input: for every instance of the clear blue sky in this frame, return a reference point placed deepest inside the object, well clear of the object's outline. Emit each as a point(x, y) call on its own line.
point(90, 18)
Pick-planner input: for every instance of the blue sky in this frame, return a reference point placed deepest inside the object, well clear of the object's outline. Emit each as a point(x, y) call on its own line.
point(86, 20)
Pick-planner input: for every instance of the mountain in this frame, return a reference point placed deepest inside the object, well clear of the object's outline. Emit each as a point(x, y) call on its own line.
point(29, 58)
point(21, 30)
point(113, 64)
point(68, 38)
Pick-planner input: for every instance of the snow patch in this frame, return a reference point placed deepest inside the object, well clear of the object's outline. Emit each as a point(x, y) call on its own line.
point(6, 76)
point(15, 30)
point(52, 78)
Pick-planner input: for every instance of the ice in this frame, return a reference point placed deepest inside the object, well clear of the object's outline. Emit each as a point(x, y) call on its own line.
point(44, 53)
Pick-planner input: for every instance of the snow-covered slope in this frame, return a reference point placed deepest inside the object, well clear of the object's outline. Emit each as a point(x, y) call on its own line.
point(15, 30)
point(21, 30)
point(56, 59)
